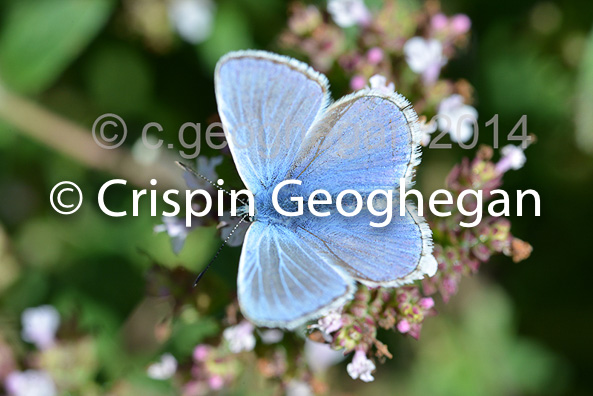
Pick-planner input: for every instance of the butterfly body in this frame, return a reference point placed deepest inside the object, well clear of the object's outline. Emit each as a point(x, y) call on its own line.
point(280, 127)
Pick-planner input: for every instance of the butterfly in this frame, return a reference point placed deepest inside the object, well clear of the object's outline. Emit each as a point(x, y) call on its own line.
point(280, 124)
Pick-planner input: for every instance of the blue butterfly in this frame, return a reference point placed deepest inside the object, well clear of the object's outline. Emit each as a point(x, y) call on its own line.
point(280, 125)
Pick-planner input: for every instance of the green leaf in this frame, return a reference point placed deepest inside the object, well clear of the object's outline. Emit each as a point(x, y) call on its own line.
point(584, 116)
point(40, 38)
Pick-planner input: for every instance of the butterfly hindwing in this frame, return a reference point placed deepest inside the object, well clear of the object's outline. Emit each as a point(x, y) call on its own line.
point(393, 255)
point(284, 280)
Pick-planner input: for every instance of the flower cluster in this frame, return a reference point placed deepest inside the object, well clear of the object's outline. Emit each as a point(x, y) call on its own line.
point(460, 251)
point(394, 47)
point(39, 327)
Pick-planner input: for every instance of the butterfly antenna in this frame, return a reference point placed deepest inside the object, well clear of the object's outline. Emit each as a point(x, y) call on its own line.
point(219, 250)
point(193, 172)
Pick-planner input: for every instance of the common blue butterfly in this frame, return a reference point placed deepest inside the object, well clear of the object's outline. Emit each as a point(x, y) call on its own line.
point(280, 125)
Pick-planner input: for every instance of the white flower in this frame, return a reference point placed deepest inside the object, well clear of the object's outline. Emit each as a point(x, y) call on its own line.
point(298, 388)
point(321, 356)
point(361, 367)
point(192, 19)
point(30, 383)
point(425, 57)
point(240, 337)
point(272, 336)
point(457, 118)
point(379, 83)
point(40, 326)
point(513, 157)
point(348, 13)
point(427, 129)
point(164, 369)
point(329, 323)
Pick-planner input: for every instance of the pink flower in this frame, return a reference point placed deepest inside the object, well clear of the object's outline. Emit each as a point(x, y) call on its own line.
point(201, 352)
point(215, 382)
point(357, 82)
point(439, 22)
point(375, 55)
point(361, 367)
point(403, 326)
point(426, 302)
point(460, 24)
point(330, 323)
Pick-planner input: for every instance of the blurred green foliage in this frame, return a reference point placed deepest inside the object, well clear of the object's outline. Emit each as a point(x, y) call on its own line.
point(39, 39)
point(584, 121)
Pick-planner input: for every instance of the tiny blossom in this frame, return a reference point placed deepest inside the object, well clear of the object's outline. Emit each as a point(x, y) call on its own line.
point(321, 356)
point(375, 55)
point(357, 82)
point(298, 388)
point(30, 383)
point(426, 302)
point(215, 382)
point(272, 336)
point(201, 352)
point(439, 22)
point(361, 367)
point(164, 369)
point(460, 24)
point(403, 326)
point(347, 13)
point(513, 157)
point(40, 326)
point(457, 118)
point(425, 57)
point(240, 337)
point(330, 323)
point(427, 129)
point(192, 19)
point(379, 83)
